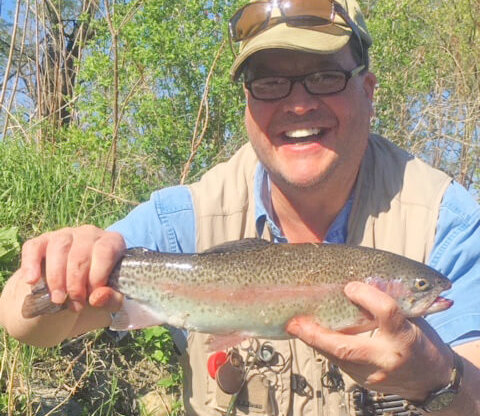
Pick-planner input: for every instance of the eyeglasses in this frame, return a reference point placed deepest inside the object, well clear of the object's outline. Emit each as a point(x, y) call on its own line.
point(316, 83)
point(257, 16)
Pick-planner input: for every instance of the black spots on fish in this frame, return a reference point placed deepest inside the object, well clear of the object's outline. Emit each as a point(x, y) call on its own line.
point(335, 310)
point(147, 268)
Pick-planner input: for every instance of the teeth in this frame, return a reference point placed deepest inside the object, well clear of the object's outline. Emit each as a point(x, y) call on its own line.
point(297, 134)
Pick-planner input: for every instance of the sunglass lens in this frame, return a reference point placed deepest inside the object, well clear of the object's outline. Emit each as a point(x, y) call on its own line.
point(249, 20)
point(312, 8)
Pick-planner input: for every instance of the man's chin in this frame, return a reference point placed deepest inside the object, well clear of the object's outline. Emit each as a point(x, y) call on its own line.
point(301, 182)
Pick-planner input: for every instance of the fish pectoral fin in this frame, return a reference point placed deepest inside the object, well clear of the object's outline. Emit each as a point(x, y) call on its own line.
point(134, 315)
point(247, 244)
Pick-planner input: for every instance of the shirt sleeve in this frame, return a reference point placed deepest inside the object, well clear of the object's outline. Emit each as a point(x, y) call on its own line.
point(164, 223)
point(456, 254)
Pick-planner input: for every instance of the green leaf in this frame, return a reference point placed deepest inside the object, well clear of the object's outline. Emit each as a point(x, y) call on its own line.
point(9, 245)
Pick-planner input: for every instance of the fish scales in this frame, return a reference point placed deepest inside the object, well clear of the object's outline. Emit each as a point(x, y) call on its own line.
point(254, 287)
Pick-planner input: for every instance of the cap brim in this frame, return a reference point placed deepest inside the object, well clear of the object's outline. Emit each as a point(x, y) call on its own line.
point(320, 40)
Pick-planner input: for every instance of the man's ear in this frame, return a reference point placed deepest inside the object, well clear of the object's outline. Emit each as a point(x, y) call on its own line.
point(245, 91)
point(369, 84)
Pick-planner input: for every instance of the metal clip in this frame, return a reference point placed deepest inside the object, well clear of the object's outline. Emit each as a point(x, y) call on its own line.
point(266, 353)
point(333, 380)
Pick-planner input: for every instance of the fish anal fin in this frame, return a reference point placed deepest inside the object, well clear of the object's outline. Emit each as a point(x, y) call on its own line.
point(246, 244)
point(221, 342)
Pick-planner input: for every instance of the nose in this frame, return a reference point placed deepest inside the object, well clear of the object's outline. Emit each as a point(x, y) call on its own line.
point(300, 101)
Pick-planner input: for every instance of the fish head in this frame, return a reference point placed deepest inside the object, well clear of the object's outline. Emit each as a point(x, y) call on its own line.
point(417, 293)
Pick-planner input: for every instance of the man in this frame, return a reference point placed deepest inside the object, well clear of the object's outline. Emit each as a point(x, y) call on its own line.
point(322, 177)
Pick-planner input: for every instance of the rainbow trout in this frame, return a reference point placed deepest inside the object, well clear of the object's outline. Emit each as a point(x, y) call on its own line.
point(253, 288)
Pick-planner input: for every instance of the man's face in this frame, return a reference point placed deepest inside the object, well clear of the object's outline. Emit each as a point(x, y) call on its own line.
point(304, 139)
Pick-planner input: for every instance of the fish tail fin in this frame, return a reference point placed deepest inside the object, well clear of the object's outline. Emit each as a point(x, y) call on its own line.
point(39, 302)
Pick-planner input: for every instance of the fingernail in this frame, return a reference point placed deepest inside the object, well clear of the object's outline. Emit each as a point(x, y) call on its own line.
point(293, 327)
point(58, 296)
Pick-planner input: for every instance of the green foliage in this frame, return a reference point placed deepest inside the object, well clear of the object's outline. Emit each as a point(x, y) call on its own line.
point(166, 52)
point(426, 58)
point(156, 343)
point(9, 251)
point(44, 189)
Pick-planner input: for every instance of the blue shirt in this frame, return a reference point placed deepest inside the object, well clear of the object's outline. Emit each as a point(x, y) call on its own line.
point(167, 223)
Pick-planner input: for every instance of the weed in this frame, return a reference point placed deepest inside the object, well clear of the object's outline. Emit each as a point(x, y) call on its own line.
point(155, 343)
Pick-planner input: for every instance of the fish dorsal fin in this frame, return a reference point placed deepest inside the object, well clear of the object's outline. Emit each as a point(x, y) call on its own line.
point(137, 251)
point(247, 244)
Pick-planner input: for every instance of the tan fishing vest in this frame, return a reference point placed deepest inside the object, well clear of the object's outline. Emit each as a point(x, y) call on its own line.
point(395, 208)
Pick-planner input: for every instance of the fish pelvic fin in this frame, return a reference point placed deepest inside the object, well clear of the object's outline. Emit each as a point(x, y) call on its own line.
point(135, 315)
point(39, 302)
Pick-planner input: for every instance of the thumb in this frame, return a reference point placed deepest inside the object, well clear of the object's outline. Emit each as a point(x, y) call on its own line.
point(106, 298)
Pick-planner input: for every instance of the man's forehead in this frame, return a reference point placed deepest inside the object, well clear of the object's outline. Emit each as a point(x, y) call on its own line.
point(281, 60)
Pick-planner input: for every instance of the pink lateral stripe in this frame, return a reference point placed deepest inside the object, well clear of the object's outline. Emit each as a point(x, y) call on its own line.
point(250, 294)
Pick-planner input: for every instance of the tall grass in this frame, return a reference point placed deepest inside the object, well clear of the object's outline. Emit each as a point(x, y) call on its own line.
point(46, 188)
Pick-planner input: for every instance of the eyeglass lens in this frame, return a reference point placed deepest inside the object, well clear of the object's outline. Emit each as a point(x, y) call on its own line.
point(318, 83)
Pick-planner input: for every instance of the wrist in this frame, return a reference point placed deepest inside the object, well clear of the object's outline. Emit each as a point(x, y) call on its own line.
point(442, 397)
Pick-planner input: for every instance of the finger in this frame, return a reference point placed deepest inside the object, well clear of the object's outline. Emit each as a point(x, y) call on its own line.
point(58, 247)
point(33, 253)
point(379, 304)
point(107, 251)
point(78, 265)
point(333, 344)
point(106, 298)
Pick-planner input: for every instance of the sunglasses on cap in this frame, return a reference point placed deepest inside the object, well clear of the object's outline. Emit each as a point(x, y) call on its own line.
point(255, 17)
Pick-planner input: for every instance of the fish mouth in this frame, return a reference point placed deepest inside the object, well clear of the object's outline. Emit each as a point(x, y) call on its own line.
point(439, 304)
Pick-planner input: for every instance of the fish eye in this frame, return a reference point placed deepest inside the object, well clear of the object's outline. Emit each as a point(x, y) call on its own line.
point(422, 284)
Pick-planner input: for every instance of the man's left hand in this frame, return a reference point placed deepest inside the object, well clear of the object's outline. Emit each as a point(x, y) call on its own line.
point(404, 357)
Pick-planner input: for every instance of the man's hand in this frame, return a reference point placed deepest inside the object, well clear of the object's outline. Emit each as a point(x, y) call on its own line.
point(404, 357)
point(77, 264)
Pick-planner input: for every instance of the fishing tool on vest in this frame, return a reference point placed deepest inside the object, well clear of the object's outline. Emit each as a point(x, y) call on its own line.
point(215, 361)
point(266, 353)
point(230, 375)
point(333, 381)
point(370, 403)
point(233, 374)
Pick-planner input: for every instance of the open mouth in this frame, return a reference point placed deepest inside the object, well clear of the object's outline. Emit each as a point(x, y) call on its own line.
point(304, 136)
point(439, 304)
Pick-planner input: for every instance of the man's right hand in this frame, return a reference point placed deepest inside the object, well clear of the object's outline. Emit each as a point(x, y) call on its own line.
point(78, 262)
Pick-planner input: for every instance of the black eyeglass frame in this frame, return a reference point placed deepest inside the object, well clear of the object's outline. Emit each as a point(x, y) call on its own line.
point(296, 21)
point(301, 78)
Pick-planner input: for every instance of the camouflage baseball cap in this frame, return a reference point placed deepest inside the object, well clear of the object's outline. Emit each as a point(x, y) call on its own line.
point(323, 39)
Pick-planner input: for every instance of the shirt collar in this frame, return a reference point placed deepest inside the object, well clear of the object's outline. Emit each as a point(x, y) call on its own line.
point(337, 233)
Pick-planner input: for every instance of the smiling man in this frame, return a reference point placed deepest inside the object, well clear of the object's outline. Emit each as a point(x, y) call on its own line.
point(311, 172)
